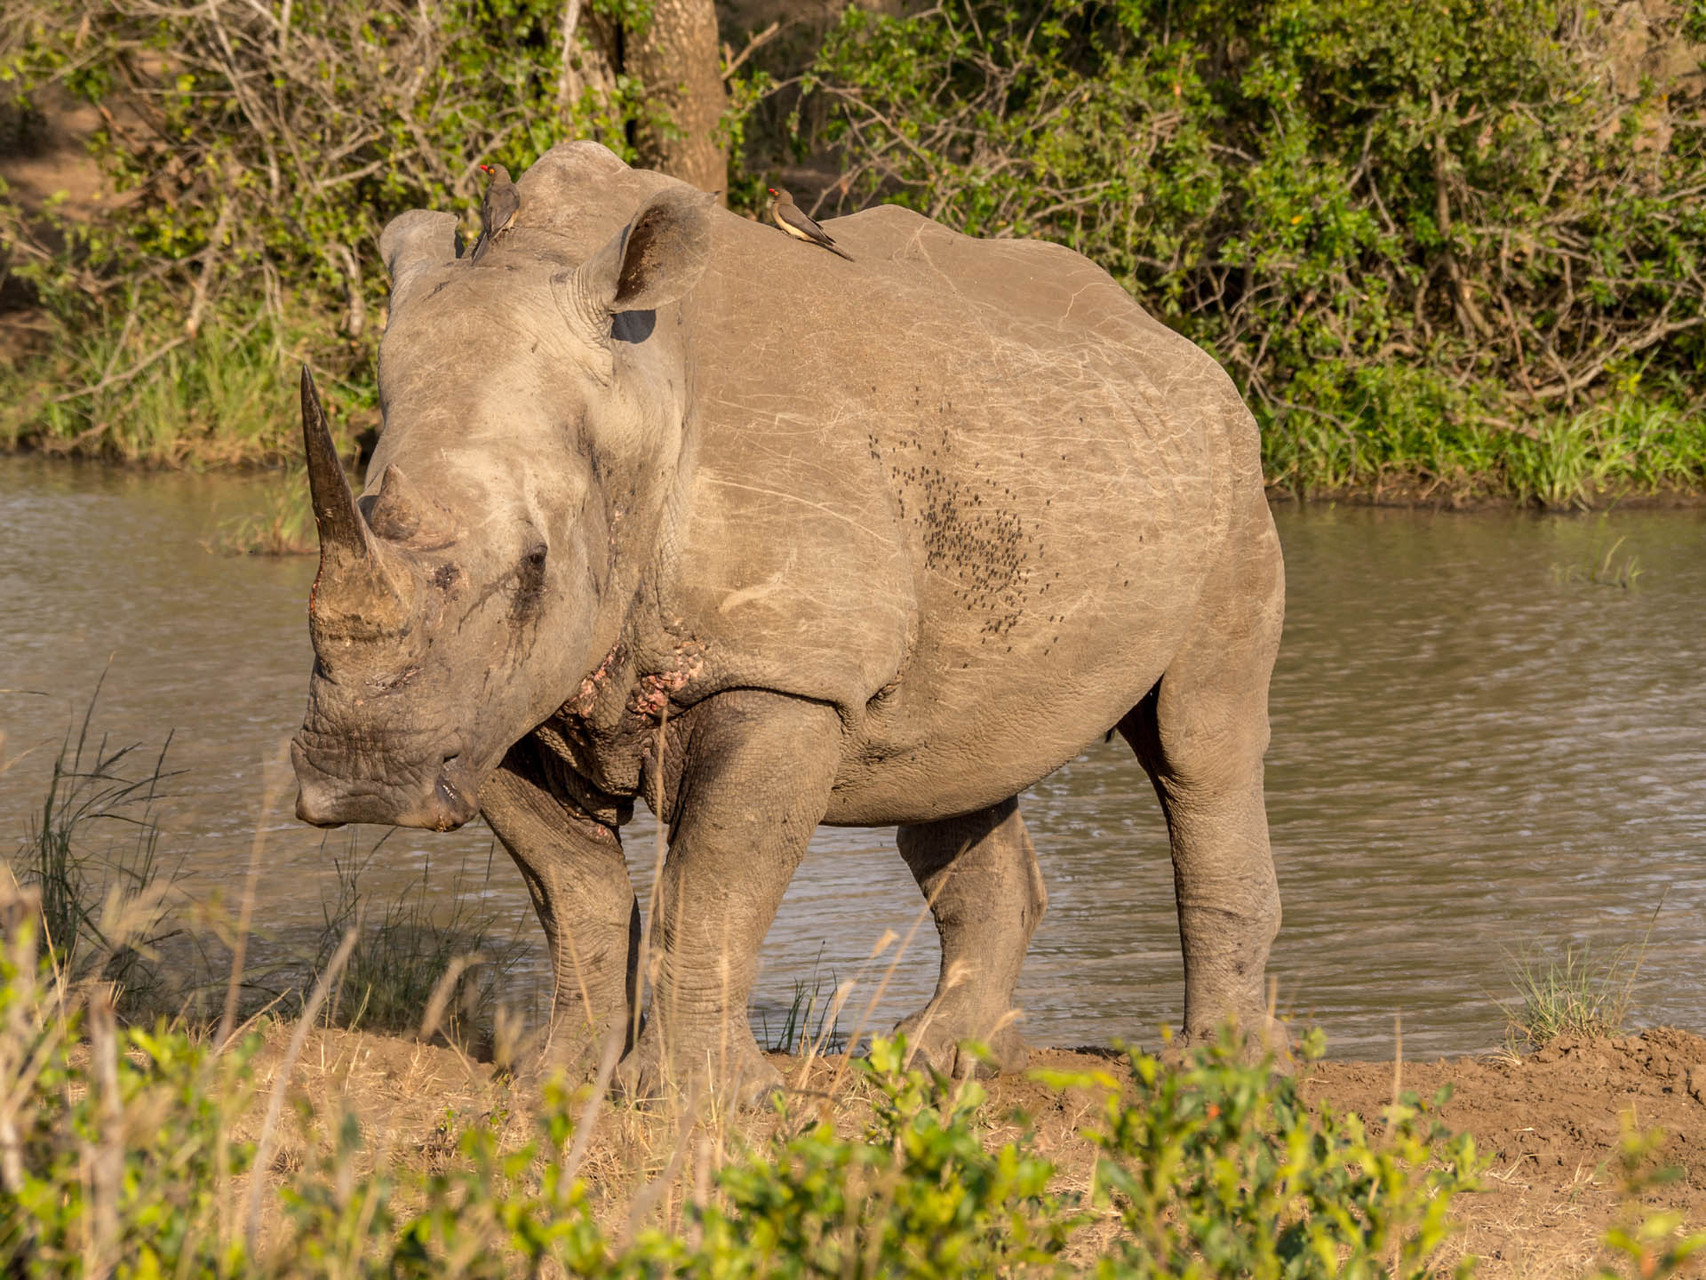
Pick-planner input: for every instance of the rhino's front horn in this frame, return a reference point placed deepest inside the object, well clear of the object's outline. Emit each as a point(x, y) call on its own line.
point(335, 514)
point(356, 595)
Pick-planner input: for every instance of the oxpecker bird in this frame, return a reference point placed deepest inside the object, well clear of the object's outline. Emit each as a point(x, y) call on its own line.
point(498, 209)
point(792, 219)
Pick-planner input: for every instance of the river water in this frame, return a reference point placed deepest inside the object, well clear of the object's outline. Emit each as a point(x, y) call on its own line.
point(1477, 751)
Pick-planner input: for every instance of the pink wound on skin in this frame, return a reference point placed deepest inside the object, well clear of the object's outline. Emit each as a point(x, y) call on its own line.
point(587, 695)
point(654, 690)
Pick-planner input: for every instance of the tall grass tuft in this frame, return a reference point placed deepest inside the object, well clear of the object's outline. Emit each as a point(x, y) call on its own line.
point(92, 856)
point(1576, 994)
point(1603, 567)
point(407, 945)
point(812, 1019)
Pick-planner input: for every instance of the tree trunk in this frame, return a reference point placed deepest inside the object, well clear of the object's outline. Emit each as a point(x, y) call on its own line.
point(678, 61)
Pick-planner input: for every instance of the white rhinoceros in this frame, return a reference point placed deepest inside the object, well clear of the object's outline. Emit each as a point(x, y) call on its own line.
point(881, 542)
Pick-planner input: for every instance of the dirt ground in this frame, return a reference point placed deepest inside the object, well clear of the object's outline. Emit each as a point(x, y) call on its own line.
point(1548, 1124)
point(1551, 1125)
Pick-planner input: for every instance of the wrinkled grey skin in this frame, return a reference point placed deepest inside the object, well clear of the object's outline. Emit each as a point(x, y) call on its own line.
point(893, 539)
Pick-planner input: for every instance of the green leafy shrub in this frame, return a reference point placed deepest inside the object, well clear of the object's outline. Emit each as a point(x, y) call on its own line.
point(253, 155)
point(1649, 1246)
point(1413, 233)
point(120, 1155)
point(1220, 1169)
point(265, 147)
point(917, 1195)
point(128, 1154)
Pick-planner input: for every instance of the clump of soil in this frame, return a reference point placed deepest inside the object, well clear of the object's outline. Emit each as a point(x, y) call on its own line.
point(1550, 1123)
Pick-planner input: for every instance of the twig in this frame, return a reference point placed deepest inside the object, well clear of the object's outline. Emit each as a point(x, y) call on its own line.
point(245, 913)
point(209, 263)
point(441, 992)
point(732, 61)
point(275, 1103)
point(113, 380)
point(588, 1117)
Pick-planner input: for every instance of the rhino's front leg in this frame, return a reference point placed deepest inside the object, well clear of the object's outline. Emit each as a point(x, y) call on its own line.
point(754, 783)
point(580, 887)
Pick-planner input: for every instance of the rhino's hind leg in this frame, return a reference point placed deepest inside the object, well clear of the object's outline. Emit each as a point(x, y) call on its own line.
point(753, 784)
point(580, 887)
point(980, 876)
point(1201, 734)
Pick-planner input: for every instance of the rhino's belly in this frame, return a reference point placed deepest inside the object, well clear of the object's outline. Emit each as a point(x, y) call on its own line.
point(972, 722)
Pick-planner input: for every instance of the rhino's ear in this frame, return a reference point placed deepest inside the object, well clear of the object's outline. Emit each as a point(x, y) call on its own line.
point(416, 239)
point(653, 261)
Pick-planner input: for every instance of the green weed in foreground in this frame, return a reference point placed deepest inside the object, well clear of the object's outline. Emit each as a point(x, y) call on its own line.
point(1647, 1244)
point(121, 1157)
point(1220, 1170)
point(131, 1154)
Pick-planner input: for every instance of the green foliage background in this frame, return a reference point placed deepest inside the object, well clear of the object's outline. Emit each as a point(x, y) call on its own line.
point(1449, 247)
point(1438, 239)
point(255, 153)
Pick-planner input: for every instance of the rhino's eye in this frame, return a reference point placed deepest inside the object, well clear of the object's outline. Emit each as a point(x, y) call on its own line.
point(529, 582)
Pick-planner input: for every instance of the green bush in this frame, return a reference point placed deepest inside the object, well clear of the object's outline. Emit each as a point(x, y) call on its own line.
point(260, 150)
point(133, 1154)
point(120, 1156)
point(1413, 233)
point(1220, 1170)
point(254, 154)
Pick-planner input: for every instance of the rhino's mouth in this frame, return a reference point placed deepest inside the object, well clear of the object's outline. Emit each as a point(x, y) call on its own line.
point(440, 798)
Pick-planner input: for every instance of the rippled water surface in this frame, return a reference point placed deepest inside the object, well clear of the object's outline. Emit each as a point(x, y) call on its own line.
point(1475, 751)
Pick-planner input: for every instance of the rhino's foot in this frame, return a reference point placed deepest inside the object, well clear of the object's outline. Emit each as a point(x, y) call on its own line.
point(937, 1035)
point(578, 1053)
point(731, 1067)
point(1270, 1038)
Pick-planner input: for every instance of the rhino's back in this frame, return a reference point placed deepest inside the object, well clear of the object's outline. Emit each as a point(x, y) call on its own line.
point(967, 490)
